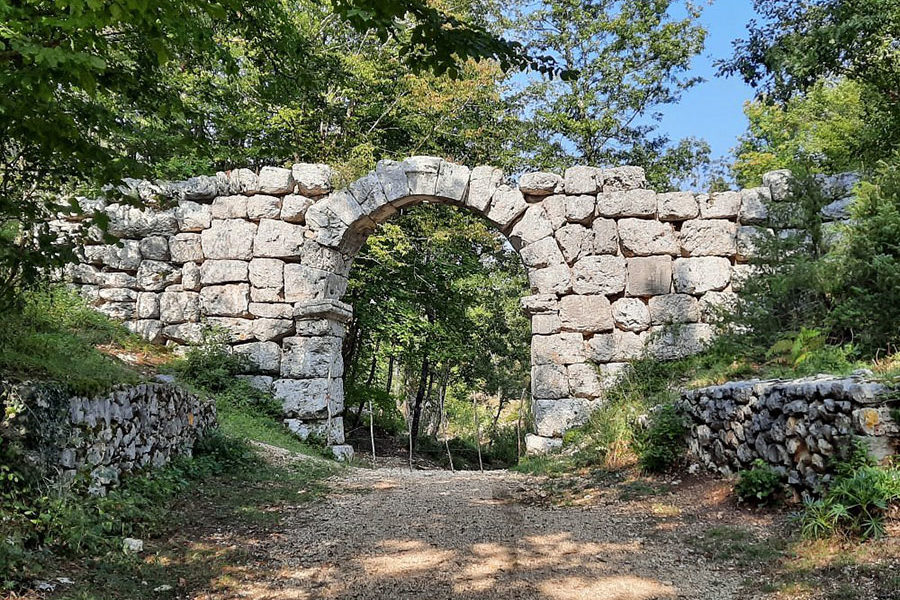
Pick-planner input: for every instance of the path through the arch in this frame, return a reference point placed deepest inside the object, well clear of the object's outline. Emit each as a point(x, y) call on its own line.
point(392, 533)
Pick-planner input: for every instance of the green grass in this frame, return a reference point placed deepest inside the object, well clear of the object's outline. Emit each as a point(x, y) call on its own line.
point(55, 335)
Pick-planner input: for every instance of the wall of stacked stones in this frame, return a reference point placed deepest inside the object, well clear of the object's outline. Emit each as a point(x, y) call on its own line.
point(266, 255)
point(796, 426)
point(108, 435)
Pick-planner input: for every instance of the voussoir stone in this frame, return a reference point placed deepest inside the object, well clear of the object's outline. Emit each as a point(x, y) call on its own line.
point(631, 314)
point(483, 182)
point(603, 274)
point(229, 238)
point(422, 174)
point(649, 275)
point(507, 204)
point(589, 314)
point(702, 274)
point(532, 227)
point(452, 181)
point(644, 237)
point(540, 184)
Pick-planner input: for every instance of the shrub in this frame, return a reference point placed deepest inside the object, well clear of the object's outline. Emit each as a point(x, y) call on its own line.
point(211, 364)
point(663, 444)
point(761, 484)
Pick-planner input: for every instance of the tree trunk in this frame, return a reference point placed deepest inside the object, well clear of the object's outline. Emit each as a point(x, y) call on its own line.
point(390, 373)
point(417, 405)
point(362, 401)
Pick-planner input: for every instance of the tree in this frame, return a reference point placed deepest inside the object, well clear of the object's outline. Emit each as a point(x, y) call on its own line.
point(630, 59)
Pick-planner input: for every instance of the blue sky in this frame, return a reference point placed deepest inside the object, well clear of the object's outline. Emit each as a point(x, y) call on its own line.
point(713, 110)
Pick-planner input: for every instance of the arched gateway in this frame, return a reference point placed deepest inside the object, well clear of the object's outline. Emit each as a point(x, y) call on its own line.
point(266, 255)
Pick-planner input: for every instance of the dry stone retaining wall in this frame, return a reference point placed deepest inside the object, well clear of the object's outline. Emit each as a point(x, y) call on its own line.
point(796, 426)
point(107, 435)
point(266, 255)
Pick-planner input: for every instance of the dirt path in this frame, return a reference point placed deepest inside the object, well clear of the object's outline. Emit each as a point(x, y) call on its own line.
point(428, 535)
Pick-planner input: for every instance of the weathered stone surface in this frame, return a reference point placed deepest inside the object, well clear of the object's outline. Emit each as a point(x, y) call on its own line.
point(622, 178)
point(555, 417)
point(155, 275)
point(190, 277)
point(223, 271)
point(124, 255)
point(117, 310)
point(540, 304)
point(677, 206)
point(584, 381)
point(266, 273)
point(677, 341)
point(135, 223)
point(719, 205)
point(709, 237)
point(294, 207)
point(632, 203)
point(575, 241)
point(617, 346)
point(262, 383)
point(266, 294)
point(606, 236)
point(699, 275)
point(192, 216)
point(546, 324)
point(838, 210)
point(555, 279)
point(309, 357)
point(246, 181)
point(237, 329)
point(452, 181)
point(549, 381)
point(532, 227)
point(230, 238)
point(589, 314)
point(267, 329)
point(631, 314)
point(754, 206)
point(740, 274)
point(179, 307)
point(536, 445)
point(117, 295)
point(714, 305)
point(543, 253)
point(422, 174)
point(483, 182)
point(674, 308)
point(507, 204)
point(541, 184)
point(312, 179)
point(271, 310)
point(229, 207)
point(649, 276)
point(185, 247)
point(275, 180)
point(155, 247)
point(225, 300)
point(558, 349)
point(184, 333)
point(277, 239)
point(264, 356)
point(147, 306)
point(149, 329)
point(749, 240)
point(310, 398)
point(581, 180)
point(112, 279)
point(262, 206)
point(643, 237)
point(779, 184)
point(580, 209)
point(599, 275)
point(307, 283)
point(555, 209)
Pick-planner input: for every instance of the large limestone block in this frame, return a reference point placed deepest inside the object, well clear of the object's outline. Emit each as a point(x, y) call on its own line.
point(117, 295)
point(135, 223)
point(546, 324)
point(237, 329)
point(599, 275)
point(709, 237)
point(507, 204)
point(310, 398)
point(266, 294)
point(674, 308)
point(589, 314)
point(540, 304)
point(549, 381)
point(631, 203)
point(716, 305)
point(643, 237)
point(309, 357)
point(720, 205)
point(584, 381)
point(649, 276)
point(631, 314)
point(672, 342)
point(267, 329)
point(740, 274)
point(229, 238)
point(779, 183)
point(271, 310)
point(325, 226)
point(580, 209)
point(536, 445)
point(192, 216)
point(117, 279)
point(277, 239)
point(229, 207)
point(342, 204)
point(231, 300)
point(393, 179)
point(581, 180)
point(267, 273)
point(555, 279)
point(120, 311)
point(532, 227)
point(294, 207)
point(156, 275)
point(617, 346)
point(696, 276)
point(124, 255)
point(155, 247)
point(552, 418)
point(677, 206)
point(422, 174)
point(622, 178)
point(190, 277)
point(575, 241)
point(147, 306)
point(307, 283)
point(185, 247)
point(246, 181)
point(606, 236)
point(483, 182)
point(750, 239)
point(179, 307)
point(555, 209)
point(275, 180)
point(264, 357)
point(149, 329)
point(543, 253)
point(754, 206)
point(184, 333)
point(540, 184)
point(223, 271)
point(558, 349)
point(262, 206)
point(312, 179)
point(372, 200)
point(452, 182)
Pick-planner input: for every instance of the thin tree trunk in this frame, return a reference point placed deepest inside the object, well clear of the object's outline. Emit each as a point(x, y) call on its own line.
point(362, 402)
point(417, 405)
point(390, 373)
point(372, 430)
point(442, 398)
point(477, 432)
point(519, 427)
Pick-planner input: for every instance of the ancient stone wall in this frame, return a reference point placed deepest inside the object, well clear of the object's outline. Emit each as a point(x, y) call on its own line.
point(266, 256)
point(107, 435)
point(796, 426)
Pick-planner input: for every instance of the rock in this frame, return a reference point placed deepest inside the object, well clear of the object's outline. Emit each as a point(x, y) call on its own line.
point(225, 300)
point(190, 277)
point(125, 255)
point(179, 307)
point(312, 179)
point(265, 357)
point(342, 452)
point(622, 178)
point(117, 295)
point(554, 279)
point(674, 308)
point(266, 273)
point(559, 349)
point(549, 381)
point(678, 341)
point(155, 275)
point(631, 314)
point(754, 206)
point(541, 254)
point(575, 241)
point(749, 239)
point(271, 310)
point(632, 203)
point(649, 276)
point(709, 237)
point(584, 381)
point(532, 227)
point(642, 237)
point(677, 206)
point(606, 236)
point(617, 346)
point(539, 304)
point(231, 238)
point(223, 271)
point(132, 545)
point(294, 207)
point(184, 333)
point(581, 180)
point(541, 184)
point(483, 182)
point(588, 314)
point(270, 329)
point(720, 205)
point(185, 247)
point(310, 398)
point(536, 445)
point(452, 181)
point(311, 357)
point(246, 181)
point(147, 306)
point(545, 324)
point(229, 207)
point(135, 223)
point(507, 204)
point(155, 247)
point(714, 305)
point(422, 174)
point(275, 180)
point(699, 275)
point(307, 283)
point(552, 418)
point(277, 239)
point(838, 210)
point(779, 184)
point(603, 274)
point(149, 329)
point(580, 209)
point(191, 216)
point(261, 206)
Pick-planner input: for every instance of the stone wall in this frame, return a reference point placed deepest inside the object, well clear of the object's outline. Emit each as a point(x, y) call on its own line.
point(796, 426)
point(108, 435)
point(266, 255)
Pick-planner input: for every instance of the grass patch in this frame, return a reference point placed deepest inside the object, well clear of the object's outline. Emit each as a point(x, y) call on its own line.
point(738, 546)
point(54, 334)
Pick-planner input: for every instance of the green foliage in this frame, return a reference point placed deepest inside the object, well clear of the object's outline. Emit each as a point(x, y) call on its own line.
point(807, 352)
point(55, 335)
point(663, 445)
point(856, 501)
point(211, 364)
point(761, 484)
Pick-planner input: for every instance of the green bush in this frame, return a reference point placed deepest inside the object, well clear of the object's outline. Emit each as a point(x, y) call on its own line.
point(761, 484)
point(211, 364)
point(663, 444)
